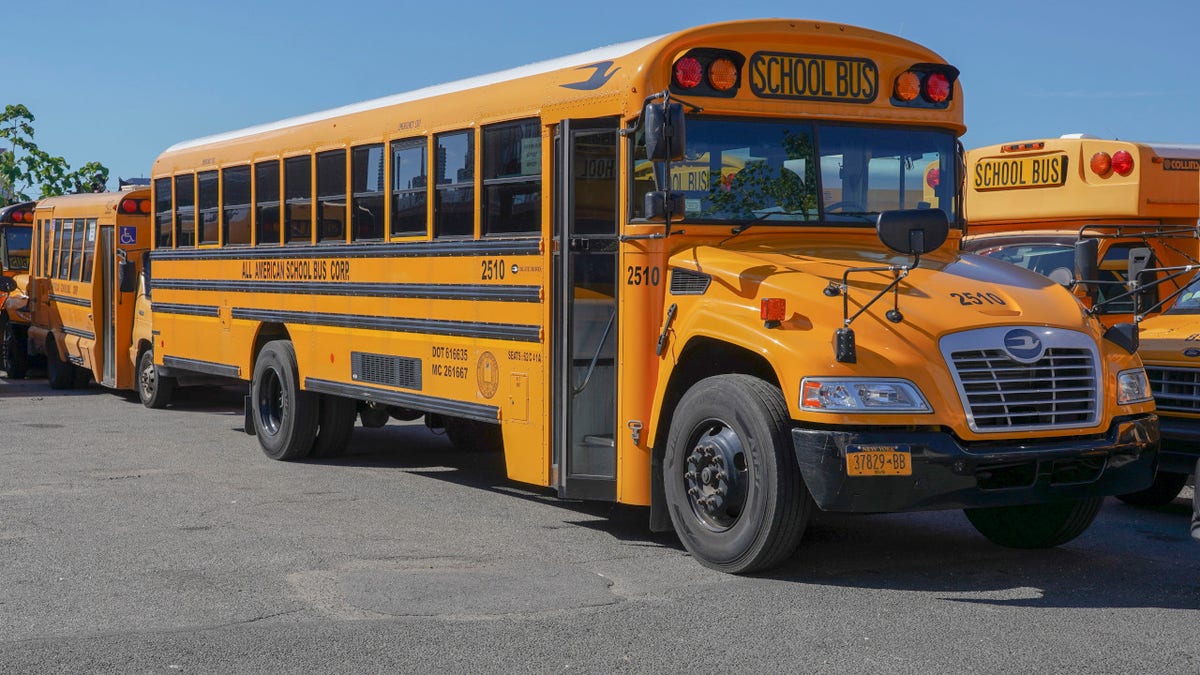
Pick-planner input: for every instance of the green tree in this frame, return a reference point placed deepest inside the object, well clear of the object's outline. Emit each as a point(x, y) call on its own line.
point(26, 169)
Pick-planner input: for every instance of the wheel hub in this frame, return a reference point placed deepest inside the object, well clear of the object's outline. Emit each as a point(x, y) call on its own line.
point(715, 478)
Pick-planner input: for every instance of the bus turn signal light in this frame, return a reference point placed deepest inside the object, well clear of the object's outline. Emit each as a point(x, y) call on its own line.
point(908, 86)
point(1101, 163)
point(723, 74)
point(1122, 162)
point(772, 311)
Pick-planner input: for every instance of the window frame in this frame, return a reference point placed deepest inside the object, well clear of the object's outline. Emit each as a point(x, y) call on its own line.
point(378, 215)
point(290, 202)
point(441, 215)
point(394, 194)
point(228, 207)
point(487, 182)
point(259, 203)
point(327, 191)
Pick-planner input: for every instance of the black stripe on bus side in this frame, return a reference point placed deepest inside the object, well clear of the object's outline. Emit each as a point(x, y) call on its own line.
point(71, 300)
point(473, 293)
point(416, 249)
point(475, 329)
point(207, 367)
point(188, 310)
point(433, 404)
point(87, 335)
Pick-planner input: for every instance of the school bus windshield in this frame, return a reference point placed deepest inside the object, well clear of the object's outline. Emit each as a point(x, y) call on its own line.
point(14, 247)
point(1188, 301)
point(786, 172)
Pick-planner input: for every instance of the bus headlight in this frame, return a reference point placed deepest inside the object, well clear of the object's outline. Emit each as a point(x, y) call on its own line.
point(1133, 387)
point(853, 395)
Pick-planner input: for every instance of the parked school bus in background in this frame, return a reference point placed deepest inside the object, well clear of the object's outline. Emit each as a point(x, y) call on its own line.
point(16, 233)
point(1122, 212)
point(684, 321)
point(1032, 203)
point(90, 316)
point(1170, 346)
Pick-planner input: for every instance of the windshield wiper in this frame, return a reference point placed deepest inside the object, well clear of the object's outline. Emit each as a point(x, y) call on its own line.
point(742, 227)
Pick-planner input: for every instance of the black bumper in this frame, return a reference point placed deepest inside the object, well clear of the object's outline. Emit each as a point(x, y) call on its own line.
point(947, 474)
point(1180, 444)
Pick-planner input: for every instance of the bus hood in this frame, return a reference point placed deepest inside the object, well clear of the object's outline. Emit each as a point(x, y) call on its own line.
point(946, 293)
point(1171, 340)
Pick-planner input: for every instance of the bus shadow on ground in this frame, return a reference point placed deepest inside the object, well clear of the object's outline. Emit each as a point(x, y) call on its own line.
point(940, 552)
point(932, 552)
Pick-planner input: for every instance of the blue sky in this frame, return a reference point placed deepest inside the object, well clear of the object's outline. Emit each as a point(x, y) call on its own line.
point(118, 82)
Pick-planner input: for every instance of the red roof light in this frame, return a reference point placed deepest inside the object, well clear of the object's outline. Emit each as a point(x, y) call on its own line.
point(937, 88)
point(1122, 162)
point(688, 72)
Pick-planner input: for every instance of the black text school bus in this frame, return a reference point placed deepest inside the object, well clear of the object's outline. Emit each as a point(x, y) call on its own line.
point(16, 228)
point(90, 316)
point(727, 325)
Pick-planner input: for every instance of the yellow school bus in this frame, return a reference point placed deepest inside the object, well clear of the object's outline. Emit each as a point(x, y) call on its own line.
point(522, 252)
point(16, 227)
point(1170, 346)
point(90, 317)
point(1044, 204)
point(1100, 214)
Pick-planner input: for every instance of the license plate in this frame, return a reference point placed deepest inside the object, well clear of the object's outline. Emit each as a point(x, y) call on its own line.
point(878, 460)
point(1007, 173)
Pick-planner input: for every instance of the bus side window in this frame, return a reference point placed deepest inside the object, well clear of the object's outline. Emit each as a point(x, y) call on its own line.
point(297, 190)
point(235, 205)
point(454, 194)
point(410, 185)
point(366, 187)
point(266, 202)
point(185, 210)
point(331, 196)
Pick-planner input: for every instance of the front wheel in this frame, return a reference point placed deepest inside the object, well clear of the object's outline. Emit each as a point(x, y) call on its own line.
point(732, 485)
point(60, 373)
point(285, 418)
point(154, 389)
point(13, 358)
point(1163, 490)
point(1035, 525)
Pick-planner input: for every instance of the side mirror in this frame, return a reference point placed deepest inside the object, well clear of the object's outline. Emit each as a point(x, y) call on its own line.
point(127, 276)
point(665, 137)
point(913, 231)
point(1125, 336)
point(1142, 280)
point(661, 204)
point(7, 285)
point(1087, 265)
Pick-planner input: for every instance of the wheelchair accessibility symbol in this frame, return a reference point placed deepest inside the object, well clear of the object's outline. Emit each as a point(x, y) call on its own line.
point(128, 235)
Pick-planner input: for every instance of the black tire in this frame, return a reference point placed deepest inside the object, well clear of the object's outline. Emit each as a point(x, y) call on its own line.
point(60, 373)
point(1163, 490)
point(285, 418)
point(153, 389)
point(1035, 525)
point(732, 486)
point(335, 425)
point(474, 436)
point(13, 358)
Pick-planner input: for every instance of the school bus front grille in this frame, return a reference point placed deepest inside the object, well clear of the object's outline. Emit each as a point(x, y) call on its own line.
point(1175, 388)
point(1001, 394)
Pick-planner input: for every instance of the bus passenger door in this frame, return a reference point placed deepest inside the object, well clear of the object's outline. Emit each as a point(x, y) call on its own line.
point(585, 309)
point(106, 312)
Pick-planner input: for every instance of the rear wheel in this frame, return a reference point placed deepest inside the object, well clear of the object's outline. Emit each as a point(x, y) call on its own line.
point(1163, 490)
point(470, 435)
point(1035, 525)
point(59, 372)
point(13, 358)
point(154, 389)
point(732, 486)
point(335, 425)
point(285, 418)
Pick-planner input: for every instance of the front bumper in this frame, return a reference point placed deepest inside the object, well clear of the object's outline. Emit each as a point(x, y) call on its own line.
point(946, 474)
point(1180, 444)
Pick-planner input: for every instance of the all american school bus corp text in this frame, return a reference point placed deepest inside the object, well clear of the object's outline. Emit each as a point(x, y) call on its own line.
point(297, 270)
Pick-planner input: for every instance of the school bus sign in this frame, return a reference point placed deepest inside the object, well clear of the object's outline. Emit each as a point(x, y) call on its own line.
point(1023, 172)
